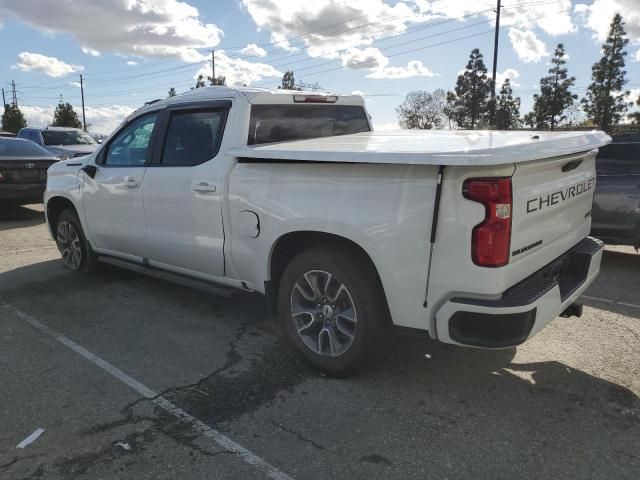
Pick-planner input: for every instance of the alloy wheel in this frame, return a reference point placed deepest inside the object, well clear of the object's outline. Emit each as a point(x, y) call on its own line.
point(69, 245)
point(323, 313)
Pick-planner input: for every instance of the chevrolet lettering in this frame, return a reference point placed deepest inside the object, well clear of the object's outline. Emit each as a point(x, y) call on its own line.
point(555, 198)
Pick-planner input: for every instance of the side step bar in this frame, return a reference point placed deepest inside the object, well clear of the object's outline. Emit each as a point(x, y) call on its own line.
point(203, 285)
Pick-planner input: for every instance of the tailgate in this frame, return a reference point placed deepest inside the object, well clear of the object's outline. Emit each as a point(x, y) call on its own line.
point(552, 201)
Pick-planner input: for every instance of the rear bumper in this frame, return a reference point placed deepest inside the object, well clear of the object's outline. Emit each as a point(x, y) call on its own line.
point(524, 309)
point(22, 192)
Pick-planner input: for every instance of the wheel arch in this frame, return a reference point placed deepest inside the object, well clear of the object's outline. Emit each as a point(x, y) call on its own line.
point(290, 244)
point(54, 207)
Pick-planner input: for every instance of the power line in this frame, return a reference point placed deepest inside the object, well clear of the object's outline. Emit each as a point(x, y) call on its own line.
point(162, 72)
point(371, 62)
point(125, 76)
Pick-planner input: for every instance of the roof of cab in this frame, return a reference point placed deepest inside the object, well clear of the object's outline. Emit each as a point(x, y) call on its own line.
point(253, 95)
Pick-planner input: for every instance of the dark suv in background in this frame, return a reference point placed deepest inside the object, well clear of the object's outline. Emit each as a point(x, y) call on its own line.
point(616, 208)
point(63, 142)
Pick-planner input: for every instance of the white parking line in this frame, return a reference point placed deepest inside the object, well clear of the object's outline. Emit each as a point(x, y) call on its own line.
point(606, 300)
point(30, 439)
point(221, 439)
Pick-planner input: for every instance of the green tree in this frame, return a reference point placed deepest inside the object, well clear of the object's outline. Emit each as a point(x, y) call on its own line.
point(288, 81)
point(635, 116)
point(172, 92)
point(65, 116)
point(605, 103)
point(12, 119)
point(219, 81)
point(468, 104)
point(555, 96)
point(507, 113)
point(530, 120)
point(423, 110)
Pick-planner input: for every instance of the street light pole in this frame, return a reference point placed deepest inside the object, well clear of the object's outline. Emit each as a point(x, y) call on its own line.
point(213, 65)
point(84, 120)
point(495, 63)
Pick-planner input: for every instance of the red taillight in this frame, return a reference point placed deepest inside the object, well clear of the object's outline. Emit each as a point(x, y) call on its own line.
point(491, 239)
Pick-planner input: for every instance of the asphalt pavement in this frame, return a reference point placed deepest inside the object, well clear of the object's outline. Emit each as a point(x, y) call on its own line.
point(126, 377)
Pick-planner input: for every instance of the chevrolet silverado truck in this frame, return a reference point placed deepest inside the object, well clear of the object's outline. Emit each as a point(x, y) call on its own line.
point(479, 238)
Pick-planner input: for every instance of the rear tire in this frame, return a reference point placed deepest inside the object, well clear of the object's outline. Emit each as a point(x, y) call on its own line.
point(333, 308)
point(76, 252)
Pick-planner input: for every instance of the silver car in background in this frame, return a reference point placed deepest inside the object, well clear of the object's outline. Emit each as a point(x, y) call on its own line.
point(63, 142)
point(616, 207)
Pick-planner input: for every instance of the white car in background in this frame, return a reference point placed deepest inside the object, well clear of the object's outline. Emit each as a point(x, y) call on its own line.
point(63, 142)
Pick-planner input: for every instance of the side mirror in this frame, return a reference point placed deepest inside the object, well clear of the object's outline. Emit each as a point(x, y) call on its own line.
point(90, 170)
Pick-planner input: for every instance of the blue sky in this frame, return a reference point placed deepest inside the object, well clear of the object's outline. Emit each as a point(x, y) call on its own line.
point(130, 51)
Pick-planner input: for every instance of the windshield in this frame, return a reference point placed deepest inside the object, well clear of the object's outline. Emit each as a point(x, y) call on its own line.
point(279, 123)
point(66, 137)
point(15, 147)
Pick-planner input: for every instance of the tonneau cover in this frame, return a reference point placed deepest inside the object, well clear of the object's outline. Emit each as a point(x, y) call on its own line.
point(433, 147)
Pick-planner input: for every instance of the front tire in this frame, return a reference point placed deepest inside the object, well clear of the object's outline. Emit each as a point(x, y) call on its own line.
point(76, 252)
point(333, 309)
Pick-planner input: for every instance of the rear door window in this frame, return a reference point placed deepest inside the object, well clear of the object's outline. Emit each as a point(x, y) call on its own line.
point(193, 137)
point(279, 123)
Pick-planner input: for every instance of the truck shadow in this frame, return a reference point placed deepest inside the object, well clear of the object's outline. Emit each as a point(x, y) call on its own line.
point(616, 288)
point(16, 216)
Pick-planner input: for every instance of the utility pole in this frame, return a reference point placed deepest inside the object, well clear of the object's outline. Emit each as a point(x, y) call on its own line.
point(84, 120)
point(14, 98)
point(213, 64)
point(4, 102)
point(495, 63)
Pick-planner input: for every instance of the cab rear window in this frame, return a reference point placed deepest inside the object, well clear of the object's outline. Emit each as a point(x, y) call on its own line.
point(280, 123)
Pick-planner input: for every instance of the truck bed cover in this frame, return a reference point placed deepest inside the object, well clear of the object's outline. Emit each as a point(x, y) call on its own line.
point(435, 147)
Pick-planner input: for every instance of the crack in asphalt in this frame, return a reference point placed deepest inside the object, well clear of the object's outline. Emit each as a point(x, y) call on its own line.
point(232, 359)
point(299, 436)
point(15, 460)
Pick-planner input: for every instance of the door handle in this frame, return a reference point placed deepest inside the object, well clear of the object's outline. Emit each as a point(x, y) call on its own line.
point(204, 187)
point(131, 183)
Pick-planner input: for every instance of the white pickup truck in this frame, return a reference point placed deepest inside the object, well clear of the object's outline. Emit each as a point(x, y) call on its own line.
point(477, 237)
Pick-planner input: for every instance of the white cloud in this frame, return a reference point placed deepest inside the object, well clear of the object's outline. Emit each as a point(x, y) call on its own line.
point(511, 73)
point(636, 57)
point(598, 16)
point(90, 51)
point(100, 120)
point(377, 64)
point(253, 50)
point(325, 27)
point(414, 68)
point(369, 58)
point(527, 45)
point(50, 66)
point(131, 63)
point(552, 17)
point(135, 27)
point(238, 71)
point(634, 95)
